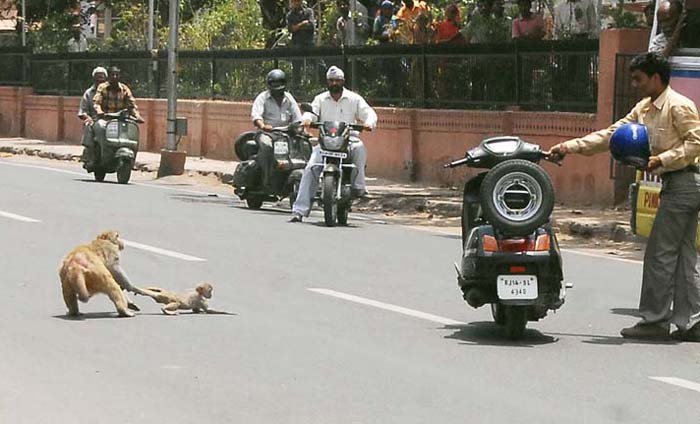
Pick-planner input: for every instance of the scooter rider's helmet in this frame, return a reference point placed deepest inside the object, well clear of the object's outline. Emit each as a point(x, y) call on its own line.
point(629, 144)
point(276, 81)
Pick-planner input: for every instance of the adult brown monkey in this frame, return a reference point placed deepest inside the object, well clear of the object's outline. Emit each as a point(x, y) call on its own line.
point(196, 299)
point(94, 268)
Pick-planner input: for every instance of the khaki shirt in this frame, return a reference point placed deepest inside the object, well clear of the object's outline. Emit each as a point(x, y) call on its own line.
point(673, 126)
point(107, 100)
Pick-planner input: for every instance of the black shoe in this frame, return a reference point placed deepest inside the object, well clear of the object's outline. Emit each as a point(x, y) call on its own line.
point(295, 218)
point(690, 335)
point(645, 331)
point(358, 193)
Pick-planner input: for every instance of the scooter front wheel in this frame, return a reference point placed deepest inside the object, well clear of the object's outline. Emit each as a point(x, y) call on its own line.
point(99, 175)
point(124, 172)
point(330, 204)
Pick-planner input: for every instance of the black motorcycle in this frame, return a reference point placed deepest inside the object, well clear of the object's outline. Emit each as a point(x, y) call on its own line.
point(291, 150)
point(510, 255)
point(335, 196)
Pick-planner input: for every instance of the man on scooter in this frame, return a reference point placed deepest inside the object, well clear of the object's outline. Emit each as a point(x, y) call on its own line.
point(88, 115)
point(336, 104)
point(112, 96)
point(274, 107)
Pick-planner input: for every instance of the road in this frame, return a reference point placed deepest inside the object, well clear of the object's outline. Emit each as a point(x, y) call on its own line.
point(363, 324)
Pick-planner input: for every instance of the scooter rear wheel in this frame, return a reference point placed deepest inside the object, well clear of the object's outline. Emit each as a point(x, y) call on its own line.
point(254, 202)
point(330, 204)
point(515, 321)
point(99, 175)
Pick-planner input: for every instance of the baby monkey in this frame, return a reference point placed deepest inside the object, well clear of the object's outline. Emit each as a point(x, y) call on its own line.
point(195, 300)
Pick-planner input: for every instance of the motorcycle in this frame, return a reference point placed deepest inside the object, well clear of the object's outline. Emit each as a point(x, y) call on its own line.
point(335, 181)
point(291, 149)
point(510, 254)
point(116, 151)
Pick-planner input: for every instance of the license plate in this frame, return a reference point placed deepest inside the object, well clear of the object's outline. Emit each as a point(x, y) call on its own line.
point(340, 155)
point(517, 287)
point(281, 148)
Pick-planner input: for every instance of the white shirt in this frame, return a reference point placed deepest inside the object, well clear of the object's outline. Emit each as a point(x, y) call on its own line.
point(575, 17)
point(265, 107)
point(658, 43)
point(350, 108)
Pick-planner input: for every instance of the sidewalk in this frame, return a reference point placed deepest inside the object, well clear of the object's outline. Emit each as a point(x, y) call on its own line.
point(411, 204)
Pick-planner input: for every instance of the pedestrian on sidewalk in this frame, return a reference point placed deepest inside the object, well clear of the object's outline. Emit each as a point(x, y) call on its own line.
point(670, 273)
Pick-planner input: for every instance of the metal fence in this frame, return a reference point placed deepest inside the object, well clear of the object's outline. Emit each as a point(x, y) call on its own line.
point(553, 76)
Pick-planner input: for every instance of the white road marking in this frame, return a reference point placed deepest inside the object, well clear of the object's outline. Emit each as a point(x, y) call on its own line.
point(387, 306)
point(602, 256)
point(164, 252)
point(680, 382)
point(46, 168)
point(18, 217)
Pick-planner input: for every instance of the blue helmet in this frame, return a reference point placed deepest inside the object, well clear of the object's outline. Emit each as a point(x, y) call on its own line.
point(629, 144)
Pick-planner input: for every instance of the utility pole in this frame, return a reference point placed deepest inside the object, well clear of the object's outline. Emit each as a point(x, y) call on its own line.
point(24, 23)
point(150, 24)
point(172, 162)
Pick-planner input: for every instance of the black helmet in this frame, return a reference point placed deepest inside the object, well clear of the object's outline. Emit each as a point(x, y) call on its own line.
point(276, 81)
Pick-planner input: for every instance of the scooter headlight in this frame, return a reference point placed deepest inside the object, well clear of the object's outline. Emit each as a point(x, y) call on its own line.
point(332, 143)
point(112, 129)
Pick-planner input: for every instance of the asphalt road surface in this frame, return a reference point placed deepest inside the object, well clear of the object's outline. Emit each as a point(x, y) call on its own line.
point(363, 324)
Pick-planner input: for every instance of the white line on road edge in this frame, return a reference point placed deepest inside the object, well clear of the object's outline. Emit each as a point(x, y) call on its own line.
point(18, 217)
point(686, 384)
point(388, 307)
point(597, 255)
point(46, 168)
point(163, 251)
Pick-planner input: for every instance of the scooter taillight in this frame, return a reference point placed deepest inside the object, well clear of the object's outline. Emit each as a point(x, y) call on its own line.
point(539, 244)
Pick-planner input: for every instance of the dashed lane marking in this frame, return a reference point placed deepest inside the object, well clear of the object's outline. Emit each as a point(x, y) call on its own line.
point(164, 252)
point(387, 306)
point(18, 217)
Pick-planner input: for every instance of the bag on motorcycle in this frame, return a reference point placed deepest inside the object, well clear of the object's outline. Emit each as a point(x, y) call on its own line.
point(248, 174)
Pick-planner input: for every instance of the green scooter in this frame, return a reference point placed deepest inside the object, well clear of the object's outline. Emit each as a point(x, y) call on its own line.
point(116, 151)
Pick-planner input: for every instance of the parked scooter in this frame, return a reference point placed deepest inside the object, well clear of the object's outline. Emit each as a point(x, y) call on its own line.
point(116, 152)
point(291, 150)
point(511, 257)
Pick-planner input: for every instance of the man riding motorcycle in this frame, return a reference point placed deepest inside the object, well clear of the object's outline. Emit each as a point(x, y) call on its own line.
point(88, 115)
point(336, 104)
point(112, 96)
point(274, 107)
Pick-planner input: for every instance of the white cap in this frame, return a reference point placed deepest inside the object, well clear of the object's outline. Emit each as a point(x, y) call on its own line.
point(335, 73)
point(99, 70)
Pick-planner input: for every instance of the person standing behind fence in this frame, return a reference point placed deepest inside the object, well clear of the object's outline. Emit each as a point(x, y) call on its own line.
point(346, 24)
point(88, 115)
point(529, 25)
point(575, 19)
point(301, 24)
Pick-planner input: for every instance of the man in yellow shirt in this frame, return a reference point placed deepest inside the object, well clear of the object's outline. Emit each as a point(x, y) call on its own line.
point(670, 275)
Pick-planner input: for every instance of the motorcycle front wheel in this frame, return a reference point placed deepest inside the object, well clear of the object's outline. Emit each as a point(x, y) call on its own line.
point(330, 204)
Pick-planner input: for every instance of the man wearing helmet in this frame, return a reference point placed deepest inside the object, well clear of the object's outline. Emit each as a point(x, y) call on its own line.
point(336, 104)
point(670, 274)
point(274, 107)
point(88, 115)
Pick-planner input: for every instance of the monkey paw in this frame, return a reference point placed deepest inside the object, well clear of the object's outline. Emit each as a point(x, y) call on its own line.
point(126, 314)
point(132, 306)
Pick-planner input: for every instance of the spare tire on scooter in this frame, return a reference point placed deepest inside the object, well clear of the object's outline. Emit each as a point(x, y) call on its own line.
point(517, 196)
point(245, 145)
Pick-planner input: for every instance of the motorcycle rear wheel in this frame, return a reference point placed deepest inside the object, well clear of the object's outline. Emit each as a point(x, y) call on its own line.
point(515, 321)
point(330, 204)
point(498, 314)
point(124, 172)
point(99, 175)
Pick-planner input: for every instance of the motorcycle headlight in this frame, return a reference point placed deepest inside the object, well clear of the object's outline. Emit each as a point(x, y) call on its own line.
point(112, 129)
point(332, 143)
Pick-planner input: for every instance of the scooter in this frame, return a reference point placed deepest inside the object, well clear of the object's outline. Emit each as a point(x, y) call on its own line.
point(116, 152)
point(510, 254)
point(291, 149)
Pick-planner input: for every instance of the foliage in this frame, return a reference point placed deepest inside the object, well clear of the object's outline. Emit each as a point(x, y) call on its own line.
point(37, 10)
point(130, 32)
point(52, 35)
point(624, 18)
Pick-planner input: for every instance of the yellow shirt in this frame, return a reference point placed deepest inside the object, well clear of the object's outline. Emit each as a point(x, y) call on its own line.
point(673, 126)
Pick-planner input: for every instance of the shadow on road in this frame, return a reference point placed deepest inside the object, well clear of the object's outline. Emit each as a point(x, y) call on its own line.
point(598, 339)
point(89, 316)
point(631, 312)
point(204, 198)
point(490, 334)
